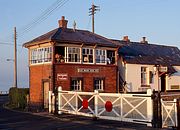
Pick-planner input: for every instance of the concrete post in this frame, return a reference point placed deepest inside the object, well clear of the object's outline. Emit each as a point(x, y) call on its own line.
point(96, 102)
point(50, 109)
point(59, 99)
point(53, 103)
point(149, 106)
point(76, 98)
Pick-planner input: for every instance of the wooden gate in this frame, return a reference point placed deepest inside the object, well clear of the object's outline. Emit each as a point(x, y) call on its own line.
point(122, 107)
point(169, 113)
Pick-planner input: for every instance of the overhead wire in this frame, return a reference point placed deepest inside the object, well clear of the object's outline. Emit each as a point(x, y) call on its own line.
point(8, 44)
point(43, 16)
point(34, 21)
point(57, 4)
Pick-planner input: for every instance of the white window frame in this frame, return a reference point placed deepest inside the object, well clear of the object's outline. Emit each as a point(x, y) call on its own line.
point(40, 56)
point(88, 53)
point(67, 49)
point(76, 84)
point(144, 76)
point(111, 57)
point(33, 55)
point(101, 56)
point(47, 54)
point(99, 84)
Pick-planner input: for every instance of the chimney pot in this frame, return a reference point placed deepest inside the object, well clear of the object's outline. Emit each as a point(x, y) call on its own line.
point(63, 22)
point(144, 40)
point(126, 38)
point(62, 18)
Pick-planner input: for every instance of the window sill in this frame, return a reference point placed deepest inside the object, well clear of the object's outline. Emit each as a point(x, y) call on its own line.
point(40, 63)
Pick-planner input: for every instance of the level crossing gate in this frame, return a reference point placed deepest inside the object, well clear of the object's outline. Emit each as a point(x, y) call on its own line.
point(137, 108)
point(113, 106)
point(169, 113)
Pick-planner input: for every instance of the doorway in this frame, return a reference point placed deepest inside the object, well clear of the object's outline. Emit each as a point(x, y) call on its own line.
point(46, 94)
point(163, 83)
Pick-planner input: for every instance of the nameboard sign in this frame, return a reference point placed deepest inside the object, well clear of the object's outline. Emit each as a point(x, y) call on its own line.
point(62, 76)
point(86, 70)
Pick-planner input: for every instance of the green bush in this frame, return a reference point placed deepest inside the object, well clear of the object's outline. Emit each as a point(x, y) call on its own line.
point(18, 97)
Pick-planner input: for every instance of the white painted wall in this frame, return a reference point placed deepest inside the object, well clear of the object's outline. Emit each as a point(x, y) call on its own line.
point(174, 79)
point(133, 77)
point(131, 73)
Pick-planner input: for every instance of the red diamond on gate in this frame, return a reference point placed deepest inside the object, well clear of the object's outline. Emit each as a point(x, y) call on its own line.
point(108, 106)
point(85, 104)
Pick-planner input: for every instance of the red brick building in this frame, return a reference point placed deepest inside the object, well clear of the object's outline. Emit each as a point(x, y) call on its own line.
point(77, 60)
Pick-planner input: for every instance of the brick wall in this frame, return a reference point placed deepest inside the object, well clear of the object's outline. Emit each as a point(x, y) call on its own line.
point(38, 73)
point(106, 71)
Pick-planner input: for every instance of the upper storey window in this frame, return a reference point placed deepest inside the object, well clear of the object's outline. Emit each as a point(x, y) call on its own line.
point(40, 55)
point(87, 55)
point(73, 54)
point(83, 55)
point(100, 56)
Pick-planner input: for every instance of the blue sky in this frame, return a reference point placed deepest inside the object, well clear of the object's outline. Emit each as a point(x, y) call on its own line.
point(158, 20)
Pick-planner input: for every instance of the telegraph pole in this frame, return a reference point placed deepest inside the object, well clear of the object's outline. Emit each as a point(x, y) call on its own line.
point(15, 58)
point(92, 11)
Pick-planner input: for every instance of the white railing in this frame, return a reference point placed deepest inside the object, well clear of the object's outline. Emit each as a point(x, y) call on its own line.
point(3, 92)
point(122, 107)
point(169, 113)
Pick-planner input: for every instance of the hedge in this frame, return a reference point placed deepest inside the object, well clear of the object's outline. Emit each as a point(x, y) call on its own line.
point(18, 97)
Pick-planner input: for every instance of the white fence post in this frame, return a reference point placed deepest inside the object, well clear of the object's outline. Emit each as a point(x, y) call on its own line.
point(59, 99)
point(53, 103)
point(149, 106)
point(76, 97)
point(175, 112)
point(50, 109)
point(96, 102)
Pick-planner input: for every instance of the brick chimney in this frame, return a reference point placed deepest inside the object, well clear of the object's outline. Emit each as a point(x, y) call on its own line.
point(63, 22)
point(144, 40)
point(126, 39)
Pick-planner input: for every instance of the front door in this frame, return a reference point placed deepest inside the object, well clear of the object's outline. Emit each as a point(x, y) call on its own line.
point(163, 83)
point(46, 94)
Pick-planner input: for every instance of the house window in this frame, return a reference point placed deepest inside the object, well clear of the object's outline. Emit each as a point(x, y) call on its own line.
point(60, 54)
point(76, 84)
point(99, 84)
point(33, 58)
point(87, 55)
point(143, 75)
point(100, 56)
point(73, 54)
point(111, 57)
point(47, 54)
point(41, 55)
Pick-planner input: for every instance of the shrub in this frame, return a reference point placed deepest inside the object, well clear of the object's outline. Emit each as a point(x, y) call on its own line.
point(18, 97)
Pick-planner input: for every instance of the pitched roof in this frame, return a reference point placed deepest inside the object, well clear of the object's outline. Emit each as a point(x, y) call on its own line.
point(140, 53)
point(71, 36)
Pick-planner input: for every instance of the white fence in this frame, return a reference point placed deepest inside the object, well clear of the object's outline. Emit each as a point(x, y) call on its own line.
point(122, 107)
point(3, 92)
point(169, 113)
